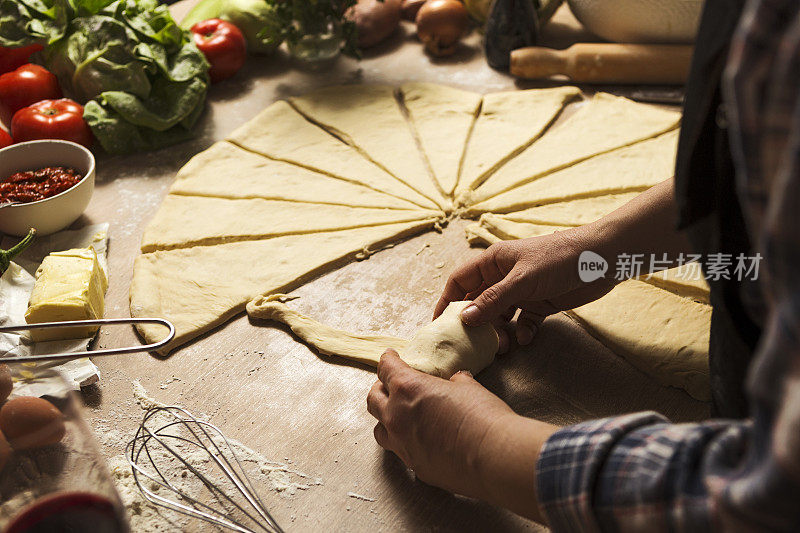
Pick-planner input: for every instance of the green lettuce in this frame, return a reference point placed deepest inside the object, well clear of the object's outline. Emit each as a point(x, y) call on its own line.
point(24, 22)
point(142, 79)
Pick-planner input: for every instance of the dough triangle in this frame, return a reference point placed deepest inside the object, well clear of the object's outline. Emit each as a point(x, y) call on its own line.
point(202, 287)
point(661, 334)
point(604, 123)
point(633, 168)
point(184, 221)
point(369, 118)
point(440, 348)
point(443, 118)
point(280, 132)
point(226, 171)
point(573, 212)
point(507, 124)
point(687, 282)
point(509, 230)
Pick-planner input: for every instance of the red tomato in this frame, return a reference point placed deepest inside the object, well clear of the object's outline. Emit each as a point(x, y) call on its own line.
point(52, 119)
point(25, 86)
point(13, 58)
point(5, 139)
point(223, 45)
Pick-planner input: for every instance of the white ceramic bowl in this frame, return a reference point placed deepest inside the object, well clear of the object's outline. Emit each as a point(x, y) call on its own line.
point(59, 211)
point(640, 21)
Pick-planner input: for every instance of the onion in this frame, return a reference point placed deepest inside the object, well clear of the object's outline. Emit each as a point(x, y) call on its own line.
point(411, 8)
point(441, 24)
point(375, 20)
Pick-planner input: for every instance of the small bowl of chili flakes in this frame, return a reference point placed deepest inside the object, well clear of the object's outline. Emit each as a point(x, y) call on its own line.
point(44, 185)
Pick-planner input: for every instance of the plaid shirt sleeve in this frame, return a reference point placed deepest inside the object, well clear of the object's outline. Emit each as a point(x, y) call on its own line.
point(639, 472)
point(635, 472)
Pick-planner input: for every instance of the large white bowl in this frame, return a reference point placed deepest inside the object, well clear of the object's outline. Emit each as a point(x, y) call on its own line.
point(640, 21)
point(59, 211)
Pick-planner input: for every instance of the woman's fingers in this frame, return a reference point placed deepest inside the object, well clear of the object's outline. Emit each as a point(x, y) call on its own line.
point(462, 376)
point(504, 331)
point(493, 301)
point(377, 398)
point(490, 271)
point(464, 280)
point(527, 326)
point(381, 436)
point(389, 366)
point(473, 277)
point(503, 341)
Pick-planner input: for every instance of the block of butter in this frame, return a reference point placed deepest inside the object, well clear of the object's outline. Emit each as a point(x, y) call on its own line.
point(70, 285)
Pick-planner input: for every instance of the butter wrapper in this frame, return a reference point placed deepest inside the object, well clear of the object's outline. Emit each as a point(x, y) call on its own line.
point(16, 286)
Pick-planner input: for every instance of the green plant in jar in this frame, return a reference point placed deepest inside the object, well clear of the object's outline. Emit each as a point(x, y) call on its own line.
point(312, 27)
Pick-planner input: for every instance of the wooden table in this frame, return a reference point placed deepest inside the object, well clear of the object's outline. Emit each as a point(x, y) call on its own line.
point(272, 393)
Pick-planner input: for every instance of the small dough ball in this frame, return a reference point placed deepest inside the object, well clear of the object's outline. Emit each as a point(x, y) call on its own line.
point(5, 451)
point(6, 383)
point(375, 20)
point(29, 422)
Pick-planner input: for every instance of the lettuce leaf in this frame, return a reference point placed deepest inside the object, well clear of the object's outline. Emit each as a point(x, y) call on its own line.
point(142, 80)
point(118, 136)
point(24, 22)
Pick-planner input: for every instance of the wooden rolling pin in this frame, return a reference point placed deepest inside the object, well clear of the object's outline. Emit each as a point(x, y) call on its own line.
point(606, 63)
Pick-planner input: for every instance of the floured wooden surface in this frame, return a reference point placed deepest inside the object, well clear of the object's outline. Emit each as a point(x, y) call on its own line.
point(274, 395)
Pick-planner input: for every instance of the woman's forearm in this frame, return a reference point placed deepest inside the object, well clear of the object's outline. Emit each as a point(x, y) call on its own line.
point(646, 225)
point(509, 463)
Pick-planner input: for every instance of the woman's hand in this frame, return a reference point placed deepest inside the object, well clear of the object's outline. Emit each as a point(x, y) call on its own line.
point(537, 275)
point(457, 435)
point(540, 275)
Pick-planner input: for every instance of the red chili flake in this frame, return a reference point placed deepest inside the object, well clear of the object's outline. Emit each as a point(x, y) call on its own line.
point(39, 184)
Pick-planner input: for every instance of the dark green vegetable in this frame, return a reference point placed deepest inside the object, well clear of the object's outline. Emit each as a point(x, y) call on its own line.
point(7, 255)
point(142, 79)
point(24, 22)
point(295, 19)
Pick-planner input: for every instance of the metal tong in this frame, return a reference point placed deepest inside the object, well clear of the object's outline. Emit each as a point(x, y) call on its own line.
point(94, 353)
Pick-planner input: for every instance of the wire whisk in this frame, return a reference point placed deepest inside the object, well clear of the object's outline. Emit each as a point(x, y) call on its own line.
point(229, 500)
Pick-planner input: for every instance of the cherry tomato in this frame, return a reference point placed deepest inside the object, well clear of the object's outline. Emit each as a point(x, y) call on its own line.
point(5, 139)
point(25, 86)
point(224, 46)
point(13, 58)
point(51, 119)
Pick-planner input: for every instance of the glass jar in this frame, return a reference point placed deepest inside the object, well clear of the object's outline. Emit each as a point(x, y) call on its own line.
point(319, 44)
point(54, 478)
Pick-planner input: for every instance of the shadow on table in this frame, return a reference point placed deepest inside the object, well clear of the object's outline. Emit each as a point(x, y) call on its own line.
point(422, 505)
point(566, 376)
point(397, 39)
